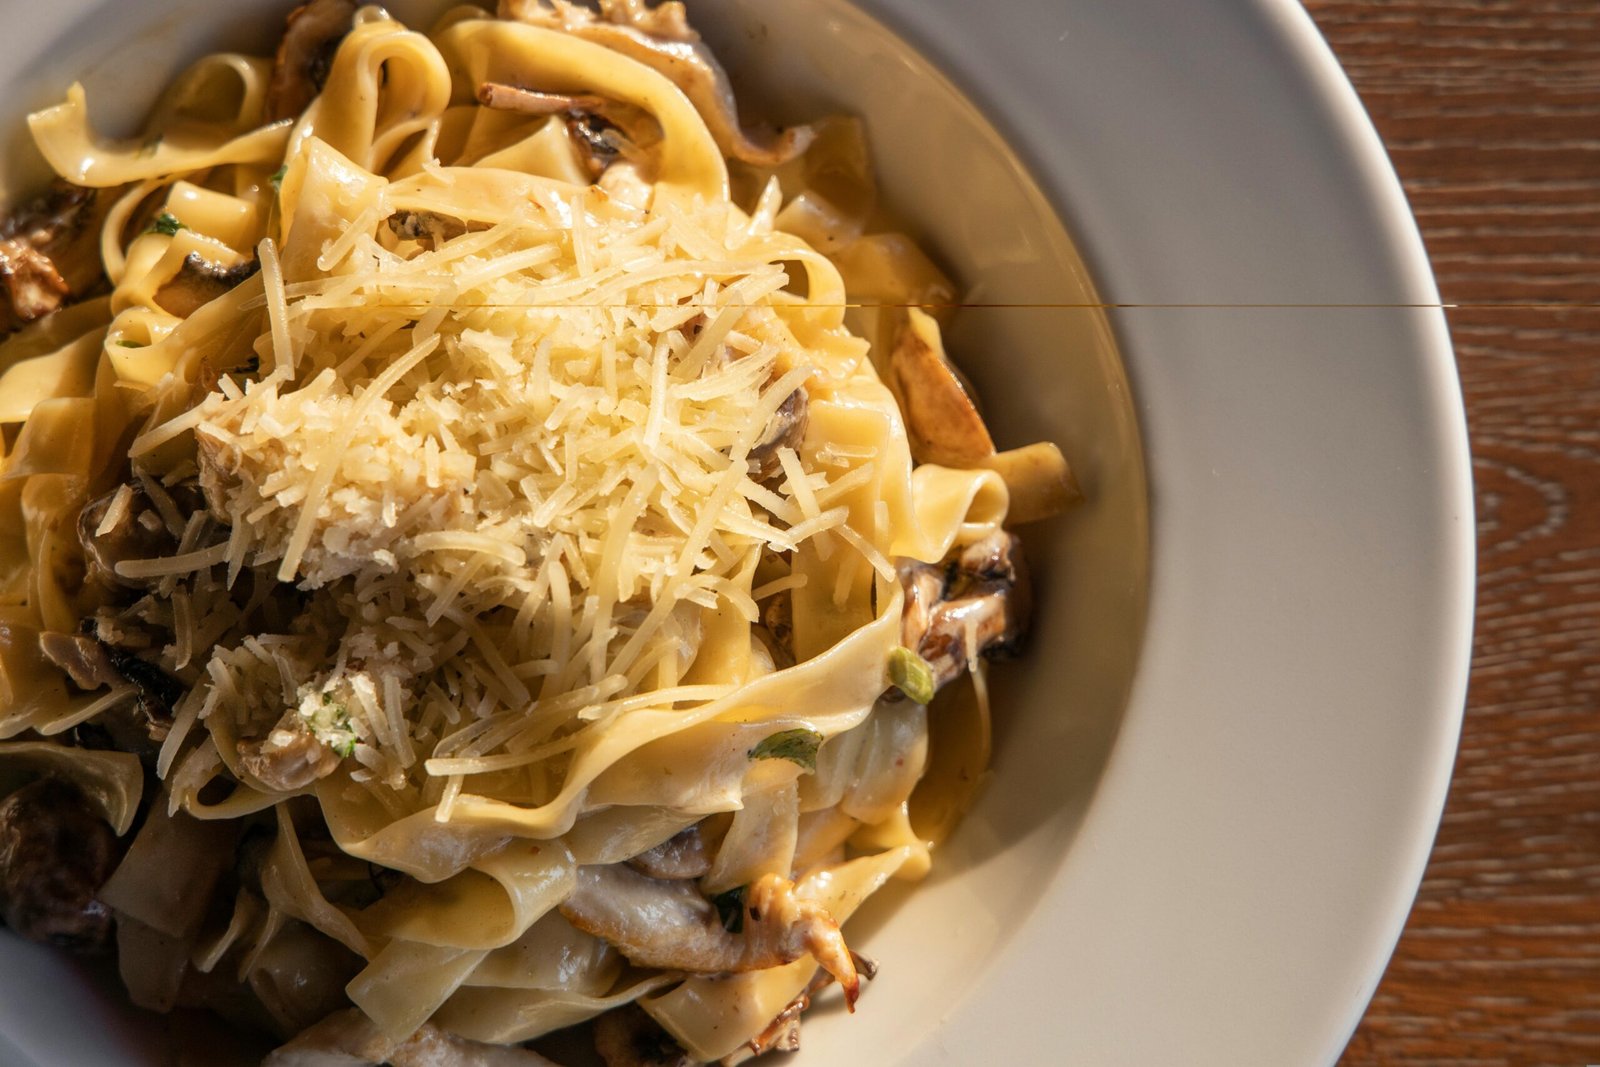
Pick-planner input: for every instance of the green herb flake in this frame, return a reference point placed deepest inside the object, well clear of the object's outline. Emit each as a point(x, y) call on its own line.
point(730, 909)
point(797, 746)
point(278, 176)
point(346, 748)
point(125, 343)
point(167, 223)
point(911, 674)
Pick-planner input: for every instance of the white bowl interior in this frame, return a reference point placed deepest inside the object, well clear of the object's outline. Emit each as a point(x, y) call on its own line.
point(1045, 364)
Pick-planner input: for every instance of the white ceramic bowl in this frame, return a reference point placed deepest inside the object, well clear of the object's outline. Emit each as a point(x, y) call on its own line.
point(1203, 834)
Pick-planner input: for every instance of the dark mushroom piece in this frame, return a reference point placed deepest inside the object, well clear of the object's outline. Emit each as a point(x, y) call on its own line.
point(680, 857)
point(93, 664)
point(310, 39)
point(349, 1039)
point(603, 131)
point(289, 758)
point(941, 416)
point(977, 604)
point(670, 925)
point(49, 253)
point(628, 1037)
point(430, 227)
point(125, 524)
point(786, 429)
point(55, 854)
point(662, 39)
point(198, 282)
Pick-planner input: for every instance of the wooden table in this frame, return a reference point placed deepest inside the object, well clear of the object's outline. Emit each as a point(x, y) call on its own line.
point(1491, 112)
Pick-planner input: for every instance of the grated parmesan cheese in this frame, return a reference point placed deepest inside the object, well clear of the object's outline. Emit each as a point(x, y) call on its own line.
point(507, 473)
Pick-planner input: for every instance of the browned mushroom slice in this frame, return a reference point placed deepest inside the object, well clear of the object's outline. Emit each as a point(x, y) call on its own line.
point(429, 227)
point(55, 854)
point(603, 131)
point(125, 525)
point(349, 1039)
point(503, 97)
point(289, 758)
point(942, 420)
point(627, 1037)
point(305, 55)
point(671, 926)
point(786, 429)
point(83, 658)
point(978, 605)
point(49, 254)
point(683, 856)
point(198, 282)
point(662, 40)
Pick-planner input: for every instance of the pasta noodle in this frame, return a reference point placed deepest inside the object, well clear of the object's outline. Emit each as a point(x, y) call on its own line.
point(494, 498)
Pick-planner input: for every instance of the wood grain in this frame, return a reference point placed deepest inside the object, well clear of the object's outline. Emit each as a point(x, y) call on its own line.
point(1491, 112)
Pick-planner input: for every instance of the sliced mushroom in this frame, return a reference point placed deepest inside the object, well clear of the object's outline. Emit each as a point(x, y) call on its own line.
point(683, 856)
point(125, 524)
point(83, 658)
point(49, 254)
point(627, 1037)
point(310, 39)
point(430, 227)
point(662, 40)
point(603, 131)
point(777, 619)
point(198, 282)
point(671, 926)
point(289, 758)
point(786, 429)
point(942, 420)
point(976, 605)
point(55, 854)
point(349, 1039)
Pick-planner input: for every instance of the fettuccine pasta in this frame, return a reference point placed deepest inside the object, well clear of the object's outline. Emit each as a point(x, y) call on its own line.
point(485, 530)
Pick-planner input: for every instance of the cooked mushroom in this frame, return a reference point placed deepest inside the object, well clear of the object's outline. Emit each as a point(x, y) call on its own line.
point(942, 420)
point(786, 429)
point(777, 618)
point(662, 39)
point(603, 131)
point(349, 1039)
point(977, 604)
point(430, 227)
point(682, 856)
point(198, 282)
point(627, 1037)
point(49, 253)
point(83, 658)
point(310, 39)
point(125, 524)
point(289, 758)
point(55, 854)
point(672, 926)
point(93, 664)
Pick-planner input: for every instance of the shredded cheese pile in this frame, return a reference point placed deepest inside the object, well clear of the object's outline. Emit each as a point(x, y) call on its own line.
point(510, 469)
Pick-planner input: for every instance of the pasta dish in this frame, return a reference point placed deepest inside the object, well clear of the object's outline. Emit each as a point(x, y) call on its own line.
point(481, 530)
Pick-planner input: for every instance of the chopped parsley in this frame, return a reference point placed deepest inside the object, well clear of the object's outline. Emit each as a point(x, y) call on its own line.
point(328, 719)
point(167, 223)
point(278, 176)
point(730, 909)
point(797, 746)
point(911, 674)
